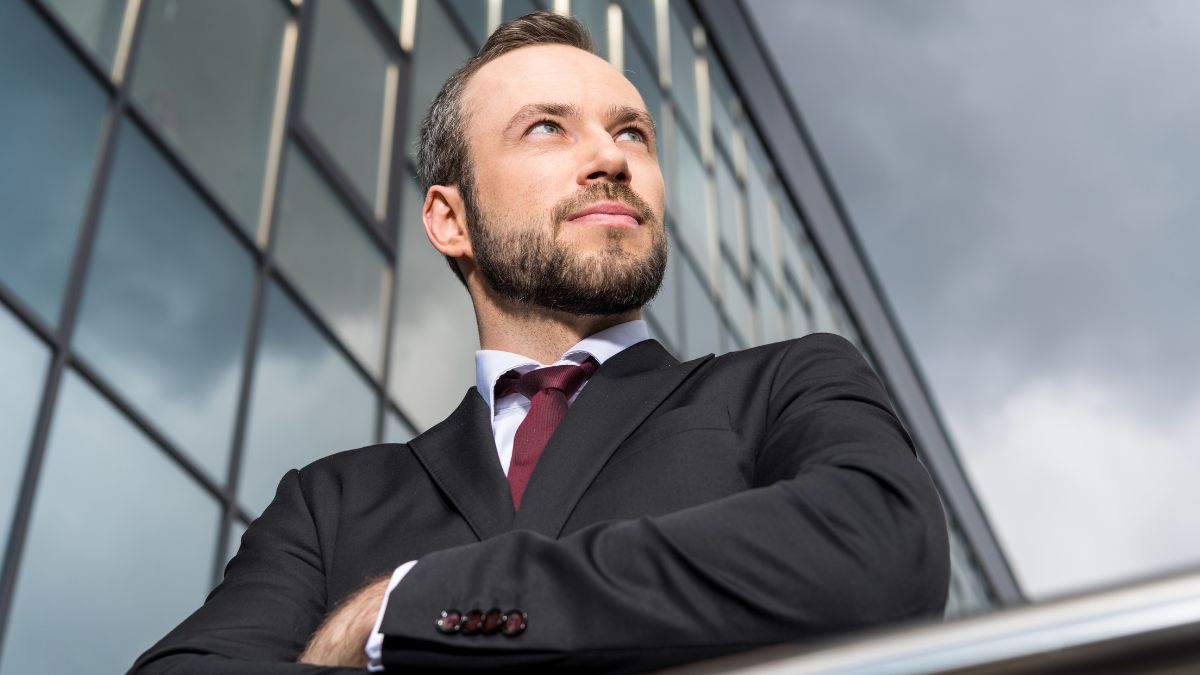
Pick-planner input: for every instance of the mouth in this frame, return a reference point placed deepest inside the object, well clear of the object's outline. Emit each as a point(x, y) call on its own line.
point(607, 214)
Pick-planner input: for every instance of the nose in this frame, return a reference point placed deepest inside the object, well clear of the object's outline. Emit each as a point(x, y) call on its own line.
point(606, 161)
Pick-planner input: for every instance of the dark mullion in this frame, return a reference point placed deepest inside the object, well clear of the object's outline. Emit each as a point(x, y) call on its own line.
point(340, 184)
point(80, 259)
point(26, 315)
point(230, 508)
point(80, 51)
point(381, 27)
point(395, 409)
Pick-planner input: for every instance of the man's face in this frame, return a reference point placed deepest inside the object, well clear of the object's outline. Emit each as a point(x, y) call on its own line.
point(565, 201)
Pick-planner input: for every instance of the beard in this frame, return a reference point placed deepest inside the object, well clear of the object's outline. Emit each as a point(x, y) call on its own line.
point(529, 266)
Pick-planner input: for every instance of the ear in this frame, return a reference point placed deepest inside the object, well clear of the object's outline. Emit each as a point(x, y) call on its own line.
point(446, 221)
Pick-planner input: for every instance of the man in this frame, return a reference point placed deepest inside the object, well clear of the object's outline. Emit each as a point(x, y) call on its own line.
point(680, 510)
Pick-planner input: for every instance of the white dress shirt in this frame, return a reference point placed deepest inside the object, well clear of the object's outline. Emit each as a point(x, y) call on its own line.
point(509, 411)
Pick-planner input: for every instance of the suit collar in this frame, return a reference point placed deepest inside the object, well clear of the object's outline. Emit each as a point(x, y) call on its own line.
point(460, 455)
point(622, 393)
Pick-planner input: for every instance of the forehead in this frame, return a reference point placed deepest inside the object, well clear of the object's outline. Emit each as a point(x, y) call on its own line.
point(547, 73)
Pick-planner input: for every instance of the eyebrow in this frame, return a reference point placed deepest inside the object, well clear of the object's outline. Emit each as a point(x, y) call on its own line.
point(616, 114)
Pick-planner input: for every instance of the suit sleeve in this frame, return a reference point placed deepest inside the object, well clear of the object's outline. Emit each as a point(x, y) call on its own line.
point(257, 621)
point(843, 529)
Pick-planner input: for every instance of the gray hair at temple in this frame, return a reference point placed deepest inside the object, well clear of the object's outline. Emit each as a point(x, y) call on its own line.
point(443, 155)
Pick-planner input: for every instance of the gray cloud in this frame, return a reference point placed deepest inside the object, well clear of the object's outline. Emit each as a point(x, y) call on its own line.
point(1023, 179)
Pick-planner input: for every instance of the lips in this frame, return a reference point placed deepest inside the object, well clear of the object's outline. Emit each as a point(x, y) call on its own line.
point(609, 214)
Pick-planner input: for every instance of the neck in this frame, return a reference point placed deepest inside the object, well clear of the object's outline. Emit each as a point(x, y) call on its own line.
point(540, 334)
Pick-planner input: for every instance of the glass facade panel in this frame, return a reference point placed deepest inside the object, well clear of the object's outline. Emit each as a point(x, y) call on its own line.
point(326, 252)
point(729, 207)
point(642, 75)
point(206, 74)
point(23, 361)
point(770, 314)
point(395, 430)
point(691, 183)
point(702, 329)
point(594, 15)
point(49, 126)
point(308, 402)
point(723, 104)
point(473, 14)
point(664, 309)
point(683, 67)
point(120, 546)
point(739, 306)
point(640, 15)
point(516, 8)
point(435, 316)
point(758, 203)
point(437, 52)
point(157, 320)
point(96, 23)
point(345, 95)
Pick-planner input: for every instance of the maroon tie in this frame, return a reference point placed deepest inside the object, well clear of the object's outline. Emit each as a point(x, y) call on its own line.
point(548, 390)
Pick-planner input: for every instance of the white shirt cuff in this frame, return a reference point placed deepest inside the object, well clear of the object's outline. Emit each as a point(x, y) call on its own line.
point(374, 646)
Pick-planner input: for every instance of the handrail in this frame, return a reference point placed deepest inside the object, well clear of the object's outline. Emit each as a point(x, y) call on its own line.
point(1152, 626)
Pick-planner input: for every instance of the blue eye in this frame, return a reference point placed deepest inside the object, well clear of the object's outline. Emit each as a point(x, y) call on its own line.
point(632, 135)
point(545, 127)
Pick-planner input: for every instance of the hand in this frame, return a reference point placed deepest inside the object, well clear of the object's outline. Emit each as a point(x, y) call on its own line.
point(341, 639)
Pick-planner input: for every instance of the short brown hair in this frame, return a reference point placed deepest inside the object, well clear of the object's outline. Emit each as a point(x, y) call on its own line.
point(443, 155)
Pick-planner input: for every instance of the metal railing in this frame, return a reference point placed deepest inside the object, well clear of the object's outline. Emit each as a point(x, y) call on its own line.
point(1147, 627)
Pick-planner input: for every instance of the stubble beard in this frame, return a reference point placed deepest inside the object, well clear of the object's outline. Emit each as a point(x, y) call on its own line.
point(530, 267)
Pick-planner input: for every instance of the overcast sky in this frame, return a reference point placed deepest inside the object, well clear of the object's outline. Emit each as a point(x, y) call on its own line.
point(1026, 179)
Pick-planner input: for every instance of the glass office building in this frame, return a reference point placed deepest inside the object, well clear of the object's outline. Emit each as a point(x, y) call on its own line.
point(212, 270)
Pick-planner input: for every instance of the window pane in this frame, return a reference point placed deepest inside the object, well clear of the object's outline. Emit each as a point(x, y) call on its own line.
point(640, 15)
point(724, 102)
point(23, 360)
point(664, 309)
point(206, 74)
point(516, 8)
point(120, 545)
point(395, 430)
point(798, 320)
point(438, 51)
point(307, 403)
point(49, 125)
point(166, 303)
point(729, 204)
point(702, 333)
point(97, 24)
point(435, 338)
point(644, 78)
point(330, 258)
point(690, 188)
point(756, 195)
point(594, 15)
point(473, 14)
point(344, 96)
point(739, 306)
point(683, 67)
point(769, 313)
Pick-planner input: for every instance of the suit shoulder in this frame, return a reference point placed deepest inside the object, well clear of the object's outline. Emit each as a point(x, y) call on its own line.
point(366, 458)
point(813, 344)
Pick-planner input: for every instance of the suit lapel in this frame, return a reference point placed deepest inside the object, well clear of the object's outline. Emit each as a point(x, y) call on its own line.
point(460, 455)
point(622, 393)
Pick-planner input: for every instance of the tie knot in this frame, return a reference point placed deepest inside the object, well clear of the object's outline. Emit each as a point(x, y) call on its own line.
point(566, 378)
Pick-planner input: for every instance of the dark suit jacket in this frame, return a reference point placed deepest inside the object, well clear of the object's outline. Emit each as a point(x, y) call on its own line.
point(680, 511)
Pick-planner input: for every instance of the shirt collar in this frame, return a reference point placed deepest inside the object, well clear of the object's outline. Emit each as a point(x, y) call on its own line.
point(490, 364)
